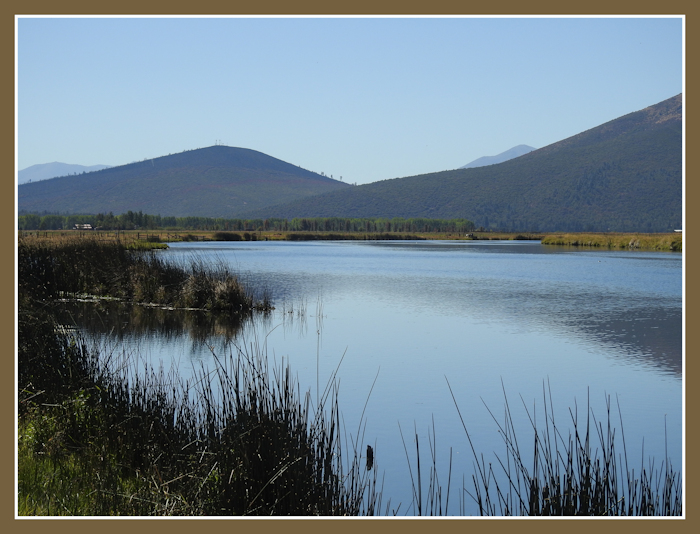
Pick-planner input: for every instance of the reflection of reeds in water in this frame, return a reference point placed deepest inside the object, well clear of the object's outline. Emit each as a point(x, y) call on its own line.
point(295, 309)
point(119, 321)
point(319, 314)
point(294, 317)
point(567, 477)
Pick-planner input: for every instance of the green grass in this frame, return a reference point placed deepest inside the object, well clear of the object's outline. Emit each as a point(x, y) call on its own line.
point(55, 475)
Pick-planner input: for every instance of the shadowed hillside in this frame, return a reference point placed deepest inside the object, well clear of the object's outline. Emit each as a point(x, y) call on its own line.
point(217, 181)
point(625, 175)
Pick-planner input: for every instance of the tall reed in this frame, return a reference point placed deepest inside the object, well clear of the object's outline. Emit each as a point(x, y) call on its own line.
point(568, 477)
point(238, 439)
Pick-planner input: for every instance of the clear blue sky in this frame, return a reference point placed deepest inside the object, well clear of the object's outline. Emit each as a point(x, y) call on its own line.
point(362, 98)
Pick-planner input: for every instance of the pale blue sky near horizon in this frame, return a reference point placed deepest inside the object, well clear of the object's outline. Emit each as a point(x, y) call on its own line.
point(363, 98)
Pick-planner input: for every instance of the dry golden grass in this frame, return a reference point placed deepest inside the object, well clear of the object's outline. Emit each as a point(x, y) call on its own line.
point(668, 242)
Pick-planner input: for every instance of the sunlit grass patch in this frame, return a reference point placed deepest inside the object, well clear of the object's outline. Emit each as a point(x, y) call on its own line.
point(668, 242)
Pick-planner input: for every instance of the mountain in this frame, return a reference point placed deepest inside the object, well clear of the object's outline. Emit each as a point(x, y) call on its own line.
point(625, 175)
point(217, 181)
point(44, 171)
point(499, 158)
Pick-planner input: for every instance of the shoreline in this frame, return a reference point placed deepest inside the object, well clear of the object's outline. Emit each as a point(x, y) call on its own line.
point(158, 239)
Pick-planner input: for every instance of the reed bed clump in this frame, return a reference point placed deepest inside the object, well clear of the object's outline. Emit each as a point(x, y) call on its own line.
point(570, 476)
point(567, 475)
point(226, 236)
point(213, 286)
point(49, 269)
point(663, 242)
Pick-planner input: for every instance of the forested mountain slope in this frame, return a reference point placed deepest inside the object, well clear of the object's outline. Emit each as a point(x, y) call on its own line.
point(625, 175)
point(217, 181)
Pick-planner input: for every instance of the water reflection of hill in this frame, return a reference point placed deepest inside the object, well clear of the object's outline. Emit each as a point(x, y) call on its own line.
point(652, 336)
point(628, 327)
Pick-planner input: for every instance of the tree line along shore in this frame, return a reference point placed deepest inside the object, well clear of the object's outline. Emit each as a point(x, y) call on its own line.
point(157, 238)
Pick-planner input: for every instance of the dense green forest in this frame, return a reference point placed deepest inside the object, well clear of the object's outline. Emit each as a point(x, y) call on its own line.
point(138, 220)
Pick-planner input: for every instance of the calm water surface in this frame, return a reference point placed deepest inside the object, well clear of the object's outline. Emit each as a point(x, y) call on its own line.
point(485, 316)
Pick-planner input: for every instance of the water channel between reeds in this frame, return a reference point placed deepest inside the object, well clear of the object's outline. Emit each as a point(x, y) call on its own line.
point(487, 317)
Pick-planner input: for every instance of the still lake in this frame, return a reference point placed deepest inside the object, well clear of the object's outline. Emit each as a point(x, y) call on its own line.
point(487, 316)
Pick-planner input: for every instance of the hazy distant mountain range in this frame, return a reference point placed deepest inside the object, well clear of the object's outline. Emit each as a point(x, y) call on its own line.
point(44, 171)
point(499, 158)
point(625, 175)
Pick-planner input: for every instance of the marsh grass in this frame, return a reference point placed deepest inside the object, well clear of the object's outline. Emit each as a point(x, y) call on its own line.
point(80, 266)
point(668, 242)
point(118, 437)
point(574, 471)
point(427, 500)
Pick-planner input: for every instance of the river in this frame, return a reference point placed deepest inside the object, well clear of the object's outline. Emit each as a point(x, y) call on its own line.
point(487, 319)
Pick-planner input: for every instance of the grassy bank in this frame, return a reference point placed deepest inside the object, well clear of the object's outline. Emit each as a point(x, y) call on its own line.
point(133, 240)
point(159, 239)
point(140, 240)
point(668, 242)
point(119, 440)
point(357, 236)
